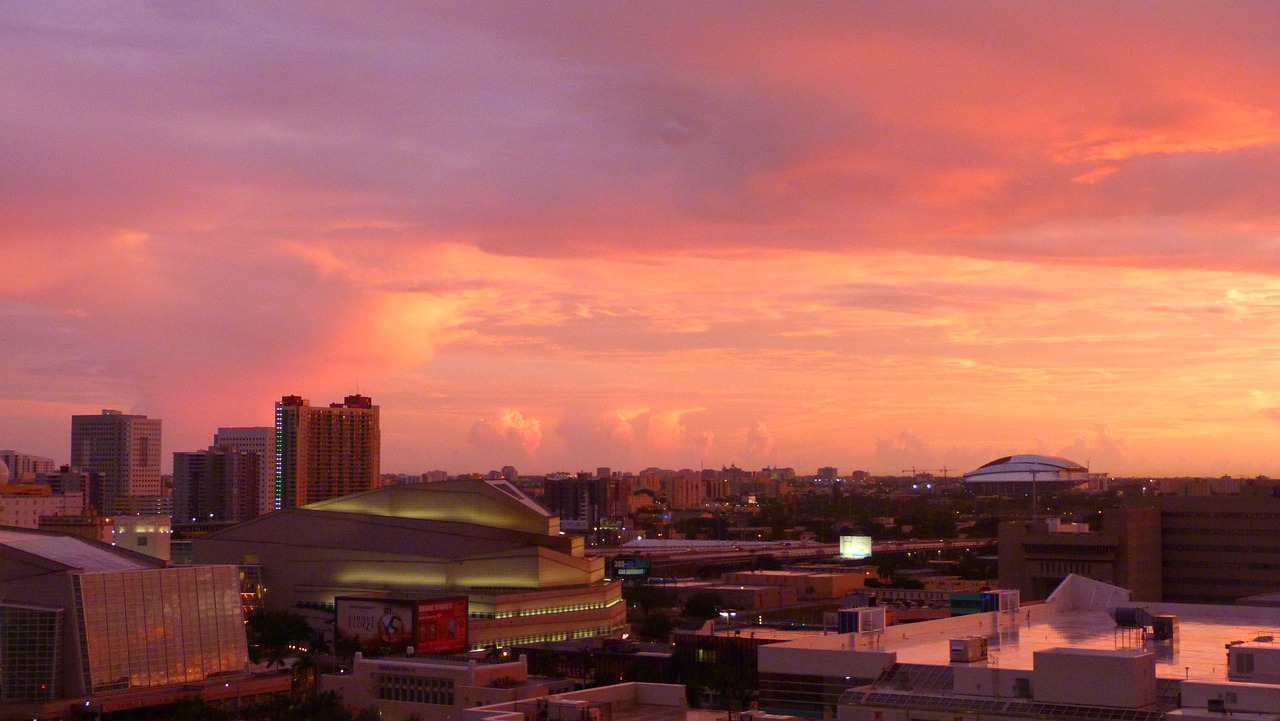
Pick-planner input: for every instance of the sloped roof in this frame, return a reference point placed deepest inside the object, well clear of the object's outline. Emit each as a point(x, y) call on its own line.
point(74, 552)
point(493, 504)
point(313, 527)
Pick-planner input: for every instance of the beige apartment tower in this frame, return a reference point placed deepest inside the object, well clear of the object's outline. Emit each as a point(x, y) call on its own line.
point(325, 452)
point(124, 450)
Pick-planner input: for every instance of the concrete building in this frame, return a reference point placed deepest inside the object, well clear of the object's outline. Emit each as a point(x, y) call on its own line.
point(67, 480)
point(23, 465)
point(1187, 549)
point(1218, 549)
point(86, 525)
point(72, 644)
point(484, 539)
point(1087, 652)
point(1036, 555)
point(262, 441)
point(433, 689)
point(124, 450)
point(325, 452)
point(581, 503)
point(150, 535)
point(618, 702)
point(23, 505)
point(806, 585)
point(219, 484)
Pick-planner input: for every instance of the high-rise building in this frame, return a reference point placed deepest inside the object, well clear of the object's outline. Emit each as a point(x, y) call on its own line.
point(22, 465)
point(124, 450)
point(260, 440)
point(220, 484)
point(323, 453)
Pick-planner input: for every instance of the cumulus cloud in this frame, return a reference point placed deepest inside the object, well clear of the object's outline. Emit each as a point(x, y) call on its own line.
point(1103, 451)
point(506, 435)
point(904, 451)
point(759, 444)
point(645, 436)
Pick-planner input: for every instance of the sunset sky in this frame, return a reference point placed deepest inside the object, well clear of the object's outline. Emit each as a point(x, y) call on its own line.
point(565, 235)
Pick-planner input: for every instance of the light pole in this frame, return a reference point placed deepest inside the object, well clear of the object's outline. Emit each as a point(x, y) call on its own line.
point(1035, 502)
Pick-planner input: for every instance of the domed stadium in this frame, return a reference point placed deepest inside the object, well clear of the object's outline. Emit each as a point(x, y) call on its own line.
point(1014, 475)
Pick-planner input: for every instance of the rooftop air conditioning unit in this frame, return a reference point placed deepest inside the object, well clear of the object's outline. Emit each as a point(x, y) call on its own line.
point(968, 649)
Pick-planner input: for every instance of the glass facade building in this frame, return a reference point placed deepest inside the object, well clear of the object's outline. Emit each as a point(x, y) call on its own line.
point(30, 652)
point(158, 626)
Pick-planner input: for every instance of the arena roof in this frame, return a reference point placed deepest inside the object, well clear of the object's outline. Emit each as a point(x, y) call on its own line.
point(1021, 467)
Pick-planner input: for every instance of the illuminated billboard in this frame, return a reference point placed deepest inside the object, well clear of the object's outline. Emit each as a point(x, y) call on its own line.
point(441, 625)
point(855, 546)
point(374, 623)
point(631, 569)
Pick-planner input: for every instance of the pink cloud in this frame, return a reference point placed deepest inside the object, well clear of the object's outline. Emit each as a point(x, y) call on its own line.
point(507, 434)
point(844, 219)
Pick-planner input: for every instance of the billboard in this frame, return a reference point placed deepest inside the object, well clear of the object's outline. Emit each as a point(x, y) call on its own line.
point(374, 623)
point(855, 546)
point(441, 625)
point(631, 569)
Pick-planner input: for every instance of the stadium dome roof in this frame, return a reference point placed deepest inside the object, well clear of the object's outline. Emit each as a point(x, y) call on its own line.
point(1021, 467)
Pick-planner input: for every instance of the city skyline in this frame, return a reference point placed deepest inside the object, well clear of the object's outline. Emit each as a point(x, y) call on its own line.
point(569, 236)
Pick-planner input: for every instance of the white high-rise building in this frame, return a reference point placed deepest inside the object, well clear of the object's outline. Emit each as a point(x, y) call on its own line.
point(124, 450)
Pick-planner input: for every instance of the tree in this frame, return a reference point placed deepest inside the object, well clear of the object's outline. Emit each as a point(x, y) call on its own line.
point(703, 605)
point(655, 627)
point(275, 636)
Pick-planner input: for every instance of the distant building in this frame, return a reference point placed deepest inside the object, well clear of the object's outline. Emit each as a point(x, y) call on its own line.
point(1035, 556)
point(124, 450)
point(22, 465)
point(262, 441)
point(22, 505)
point(827, 473)
point(87, 525)
point(1027, 474)
point(66, 480)
point(325, 452)
point(581, 503)
point(219, 484)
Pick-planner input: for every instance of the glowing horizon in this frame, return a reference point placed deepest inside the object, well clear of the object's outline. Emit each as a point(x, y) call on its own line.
point(567, 236)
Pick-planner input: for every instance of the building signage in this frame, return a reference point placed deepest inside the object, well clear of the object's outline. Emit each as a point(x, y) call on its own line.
point(441, 625)
point(631, 569)
point(374, 623)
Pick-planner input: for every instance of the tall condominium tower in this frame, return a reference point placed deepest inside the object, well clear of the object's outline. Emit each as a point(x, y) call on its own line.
point(260, 440)
point(323, 453)
point(124, 450)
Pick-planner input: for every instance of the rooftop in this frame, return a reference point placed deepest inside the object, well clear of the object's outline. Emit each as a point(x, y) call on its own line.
point(1078, 617)
point(73, 551)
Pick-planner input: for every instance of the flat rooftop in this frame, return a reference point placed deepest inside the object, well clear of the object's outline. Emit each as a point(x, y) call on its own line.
point(1197, 652)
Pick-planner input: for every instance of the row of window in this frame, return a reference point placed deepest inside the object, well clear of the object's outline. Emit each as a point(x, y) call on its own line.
point(543, 611)
point(415, 689)
point(541, 638)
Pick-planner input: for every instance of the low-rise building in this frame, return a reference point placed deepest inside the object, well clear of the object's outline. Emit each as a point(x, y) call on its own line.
point(432, 689)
